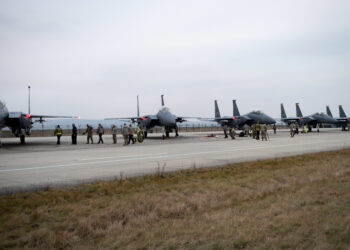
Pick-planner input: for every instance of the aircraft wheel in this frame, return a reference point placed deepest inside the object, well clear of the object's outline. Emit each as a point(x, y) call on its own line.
point(167, 133)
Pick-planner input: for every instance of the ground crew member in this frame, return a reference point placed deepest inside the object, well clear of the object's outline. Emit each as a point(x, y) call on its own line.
point(225, 130)
point(258, 129)
point(246, 130)
point(125, 132)
point(232, 133)
point(297, 128)
point(131, 134)
point(139, 134)
point(253, 127)
point(305, 129)
point(89, 134)
point(100, 132)
point(74, 134)
point(58, 132)
point(292, 129)
point(274, 128)
point(114, 134)
point(264, 132)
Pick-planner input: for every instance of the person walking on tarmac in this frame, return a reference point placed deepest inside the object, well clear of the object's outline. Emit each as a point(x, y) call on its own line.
point(74, 134)
point(264, 132)
point(100, 132)
point(89, 134)
point(232, 133)
point(274, 128)
point(139, 134)
point(305, 129)
point(125, 132)
point(292, 129)
point(258, 129)
point(114, 134)
point(131, 134)
point(225, 130)
point(58, 132)
point(253, 128)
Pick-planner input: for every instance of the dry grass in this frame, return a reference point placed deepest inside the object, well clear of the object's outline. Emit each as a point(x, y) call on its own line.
point(296, 202)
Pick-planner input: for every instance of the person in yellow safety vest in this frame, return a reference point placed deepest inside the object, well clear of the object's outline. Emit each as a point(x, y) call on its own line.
point(58, 132)
point(232, 133)
point(305, 129)
point(139, 134)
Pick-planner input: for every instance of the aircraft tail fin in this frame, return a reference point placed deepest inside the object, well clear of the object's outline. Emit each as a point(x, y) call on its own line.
point(329, 111)
point(299, 114)
point(138, 107)
point(341, 112)
point(217, 111)
point(162, 97)
point(235, 109)
point(283, 112)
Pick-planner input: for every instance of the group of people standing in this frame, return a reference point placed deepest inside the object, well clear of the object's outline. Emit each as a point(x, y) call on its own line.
point(127, 131)
point(257, 130)
point(294, 129)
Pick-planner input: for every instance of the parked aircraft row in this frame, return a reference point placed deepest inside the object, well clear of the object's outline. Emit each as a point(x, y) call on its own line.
point(21, 123)
point(316, 119)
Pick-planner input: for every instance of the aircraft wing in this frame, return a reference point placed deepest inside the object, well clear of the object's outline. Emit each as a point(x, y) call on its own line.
point(50, 116)
point(135, 118)
point(184, 118)
point(343, 119)
point(125, 118)
point(291, 119)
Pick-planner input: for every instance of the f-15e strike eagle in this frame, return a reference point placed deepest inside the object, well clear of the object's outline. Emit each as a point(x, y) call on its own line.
point(313, 120)
point(238, 120)
point(164, 118)
point(343, 120)
point(21, 123)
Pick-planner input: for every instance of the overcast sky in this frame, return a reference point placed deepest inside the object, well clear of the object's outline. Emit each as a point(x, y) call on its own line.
point(91, 58)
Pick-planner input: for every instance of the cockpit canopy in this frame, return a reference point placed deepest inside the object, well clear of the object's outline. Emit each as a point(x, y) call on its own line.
point(257, 112)
point(164, 110)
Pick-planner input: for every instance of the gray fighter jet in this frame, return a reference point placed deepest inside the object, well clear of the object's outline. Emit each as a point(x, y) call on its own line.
point(343, 120)
point(238, 120)
point(21, 123)
point(289, 120)
point(312, 121)
point(164, 118)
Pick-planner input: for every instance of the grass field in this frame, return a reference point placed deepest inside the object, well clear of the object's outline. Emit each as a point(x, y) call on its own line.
point(296, 202)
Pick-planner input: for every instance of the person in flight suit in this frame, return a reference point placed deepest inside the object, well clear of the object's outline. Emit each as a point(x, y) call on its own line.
point(258, 129)
point(74, 134)
point(114, 134)
point(89, 131)
point(100, 132)
point(58, 132)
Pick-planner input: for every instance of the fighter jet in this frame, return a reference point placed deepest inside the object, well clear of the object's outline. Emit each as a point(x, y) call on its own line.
point(21, 123)
point(289, 120)
point(314, 120)
point(164, 118)
point(238, 120)
point(343, 120)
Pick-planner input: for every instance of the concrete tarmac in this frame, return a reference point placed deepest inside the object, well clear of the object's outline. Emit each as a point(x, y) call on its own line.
point(41, 163)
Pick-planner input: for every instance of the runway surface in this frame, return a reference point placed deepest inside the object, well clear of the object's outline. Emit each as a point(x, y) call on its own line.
point(42, 163)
